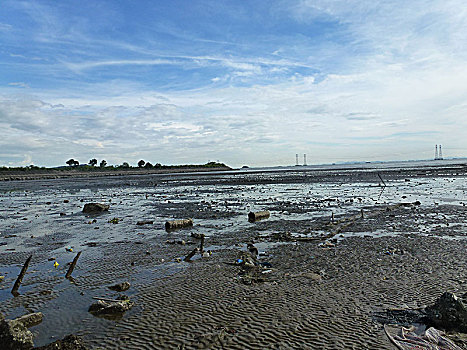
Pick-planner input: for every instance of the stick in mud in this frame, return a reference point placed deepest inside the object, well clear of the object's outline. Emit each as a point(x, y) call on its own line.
point(252, 217)
point(201, 245)
point(14, 291)
point(192, 254)
point(174, 224)
point(72, 266)
point(384, 183)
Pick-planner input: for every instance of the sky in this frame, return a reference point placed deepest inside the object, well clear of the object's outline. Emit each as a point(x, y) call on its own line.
point(251, 82)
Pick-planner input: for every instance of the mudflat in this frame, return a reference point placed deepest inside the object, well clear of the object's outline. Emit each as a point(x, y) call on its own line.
point(339, 248)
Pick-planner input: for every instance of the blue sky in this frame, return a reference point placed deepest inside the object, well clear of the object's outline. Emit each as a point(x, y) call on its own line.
point(243, 82)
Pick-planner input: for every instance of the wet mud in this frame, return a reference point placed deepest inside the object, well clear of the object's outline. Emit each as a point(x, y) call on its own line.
point(397, 254)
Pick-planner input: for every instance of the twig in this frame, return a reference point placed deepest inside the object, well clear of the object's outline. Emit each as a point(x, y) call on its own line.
point(72, 266)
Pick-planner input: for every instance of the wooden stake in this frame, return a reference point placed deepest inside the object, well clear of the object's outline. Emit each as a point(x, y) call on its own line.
point(201, 245)
point(189, 256)
point(14, 291)
point(72, 266)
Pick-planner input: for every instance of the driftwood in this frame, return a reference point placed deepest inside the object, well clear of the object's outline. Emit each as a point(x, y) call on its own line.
point(72, 266)
point(174, 224)
point(17, 284)
point(252, 216)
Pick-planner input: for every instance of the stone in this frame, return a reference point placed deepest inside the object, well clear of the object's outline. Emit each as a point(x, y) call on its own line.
point(449, 313)
point(102, 307)
point(120, 287)
point(92, 208)
point(14, 334)
point(70, 342)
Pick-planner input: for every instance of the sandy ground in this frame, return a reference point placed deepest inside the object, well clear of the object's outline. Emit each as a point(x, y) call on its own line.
point(312, 297)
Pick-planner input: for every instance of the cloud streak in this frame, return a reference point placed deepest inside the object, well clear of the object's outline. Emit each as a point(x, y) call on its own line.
point(336, 80)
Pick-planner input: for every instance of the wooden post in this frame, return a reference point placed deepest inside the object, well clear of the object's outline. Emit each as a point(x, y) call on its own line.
point(72, 266)
point(361, 213)
point(201, 245)
point(381, 180)
point(14, 291)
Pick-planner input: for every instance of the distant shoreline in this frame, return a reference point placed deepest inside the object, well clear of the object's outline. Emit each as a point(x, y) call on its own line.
point(41, 174)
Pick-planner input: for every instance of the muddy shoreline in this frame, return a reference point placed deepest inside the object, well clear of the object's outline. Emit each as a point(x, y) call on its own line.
point(313, 297)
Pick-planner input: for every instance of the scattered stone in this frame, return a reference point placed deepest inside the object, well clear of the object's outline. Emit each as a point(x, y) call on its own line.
point(93, 208)
point(66, 201)
point(46, 292)
point(70, 342)
point(449, 312)
point(62, 214)
point(120, 287)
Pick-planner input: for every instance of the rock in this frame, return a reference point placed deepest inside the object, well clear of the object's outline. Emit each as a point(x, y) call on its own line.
point(14, 334)
point(70, 342)
point(120, 287)
point(449, 312)
point(102, 307)
point(93, 208)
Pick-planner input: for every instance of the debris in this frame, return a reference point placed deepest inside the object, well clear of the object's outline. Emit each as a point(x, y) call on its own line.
point(72, 266)
point(69, 250)
point(252, 249)
point(17, 284)
point(252, 216)
point(93, 208)
point(407, 338)
point(56, 264)
point(326, 244)
point(146, 222)
point(174, 224)
point(114, 221)
point(2, 278)
point(120, 287)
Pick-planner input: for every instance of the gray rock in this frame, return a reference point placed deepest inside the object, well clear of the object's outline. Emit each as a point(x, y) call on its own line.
point(102, 307)
point(449, 312)
point(121, 287)
point(92, 208)
point(70, 342)
point(14, 334)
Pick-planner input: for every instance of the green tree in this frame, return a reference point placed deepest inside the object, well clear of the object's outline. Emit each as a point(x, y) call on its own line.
point(148, 165)
point(103, 163)
point(125, 165)
point(141, 163)
point(70, 162)
point(93, 162)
